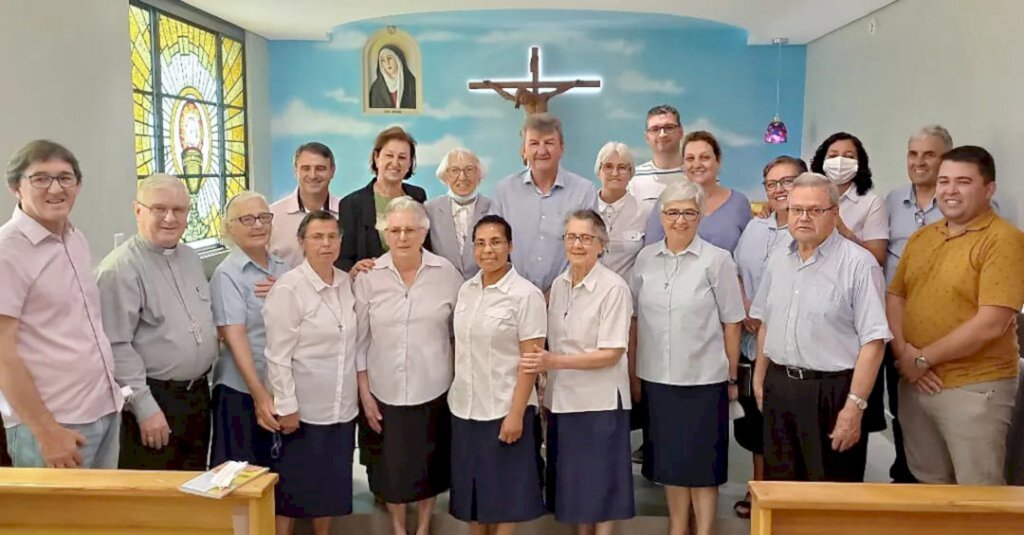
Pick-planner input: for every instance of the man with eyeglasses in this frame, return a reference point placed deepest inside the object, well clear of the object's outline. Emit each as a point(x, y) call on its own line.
point(60, 402)
point(157, 314)
point(664, 134)
point(823, 331)
point(314, 170)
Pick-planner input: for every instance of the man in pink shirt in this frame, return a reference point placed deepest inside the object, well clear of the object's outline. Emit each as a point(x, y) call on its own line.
point(60, 403)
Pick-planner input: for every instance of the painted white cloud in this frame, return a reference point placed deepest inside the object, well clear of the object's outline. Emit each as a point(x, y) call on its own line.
point(558, 36)
point(620, 113)
point(638, 82)
point(726, 137)
point(432, 152)
point(457, 109)
point(346, 40)
point(299, 119)
point(439, 37)
point(341, 96)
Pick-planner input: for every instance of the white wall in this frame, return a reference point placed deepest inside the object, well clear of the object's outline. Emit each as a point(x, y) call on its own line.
point(66, 77)
point(951, 62)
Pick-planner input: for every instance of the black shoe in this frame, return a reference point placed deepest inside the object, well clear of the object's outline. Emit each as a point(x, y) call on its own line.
point(638, 456)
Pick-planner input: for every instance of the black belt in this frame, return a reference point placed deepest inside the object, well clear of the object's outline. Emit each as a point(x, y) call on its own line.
point(180, 385)
point(803, 374)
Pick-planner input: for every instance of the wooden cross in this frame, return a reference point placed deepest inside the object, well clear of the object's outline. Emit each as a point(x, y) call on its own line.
point(528, 94)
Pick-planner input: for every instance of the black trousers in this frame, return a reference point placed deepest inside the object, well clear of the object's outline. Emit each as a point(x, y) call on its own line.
point(5, 459)
point(899, 471)
point(187, 409)
point(799, 415)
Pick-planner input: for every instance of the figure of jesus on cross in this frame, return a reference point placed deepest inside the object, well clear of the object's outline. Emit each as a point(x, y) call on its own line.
point(528, 94)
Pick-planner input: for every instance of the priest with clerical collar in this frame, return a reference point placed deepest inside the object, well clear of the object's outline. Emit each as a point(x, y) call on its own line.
point(157, 315)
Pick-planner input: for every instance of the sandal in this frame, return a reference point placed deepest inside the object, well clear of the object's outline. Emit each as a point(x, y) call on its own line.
point(742, 507)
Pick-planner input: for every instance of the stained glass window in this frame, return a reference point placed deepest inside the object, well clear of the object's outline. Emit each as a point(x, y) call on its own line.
point(189, 108)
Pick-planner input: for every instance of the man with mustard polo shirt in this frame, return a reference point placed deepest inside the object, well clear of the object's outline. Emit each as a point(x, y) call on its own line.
point(952, 306)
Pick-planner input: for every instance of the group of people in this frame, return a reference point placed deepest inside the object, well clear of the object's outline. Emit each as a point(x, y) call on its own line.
point(502, 349)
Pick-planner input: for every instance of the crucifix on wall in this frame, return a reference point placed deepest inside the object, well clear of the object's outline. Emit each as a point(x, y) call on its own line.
point(528, 94)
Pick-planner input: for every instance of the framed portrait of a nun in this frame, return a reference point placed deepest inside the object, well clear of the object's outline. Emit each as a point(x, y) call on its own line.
point(392, 69)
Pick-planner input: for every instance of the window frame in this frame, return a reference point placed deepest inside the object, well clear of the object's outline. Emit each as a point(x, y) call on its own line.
point(156, 10)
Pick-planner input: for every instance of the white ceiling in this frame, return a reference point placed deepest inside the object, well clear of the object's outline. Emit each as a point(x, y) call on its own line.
point(801, 21)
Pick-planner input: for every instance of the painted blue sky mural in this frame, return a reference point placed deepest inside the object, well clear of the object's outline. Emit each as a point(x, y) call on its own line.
point(705, 69)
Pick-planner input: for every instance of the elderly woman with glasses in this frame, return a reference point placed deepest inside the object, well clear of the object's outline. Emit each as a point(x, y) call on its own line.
point(589, 473)
point(453, 216)
point(405, 304)
point(311, 363)
point(243, 415)
point(759, 240)
point(689, 309)
point(624, 216)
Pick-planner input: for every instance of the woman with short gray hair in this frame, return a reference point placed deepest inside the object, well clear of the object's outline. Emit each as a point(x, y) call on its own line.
point(243, 406)
point(589, 313)
point(453, 215)
point(404, 306)
point(689, 309)
point(624, 216)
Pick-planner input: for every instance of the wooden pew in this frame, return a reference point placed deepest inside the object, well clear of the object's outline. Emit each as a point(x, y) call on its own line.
point(90, 502)
point(787, 508)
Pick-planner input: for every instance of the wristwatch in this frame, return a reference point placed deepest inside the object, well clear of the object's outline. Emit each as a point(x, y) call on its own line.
point(922, 363)
point(732, 381)
point(858, 401)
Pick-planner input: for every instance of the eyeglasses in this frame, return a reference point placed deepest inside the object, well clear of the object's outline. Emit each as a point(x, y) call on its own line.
point(786, 183)
point(44, 181)
point(813, 212)
point(585, 239)
point(397, 232)
point(919, 218)
point(687, 215)
point(161, 212)
point(611, 169)
point(469, 170)
point(667, 128)
point(494, 244)
point(330, 237)
point(250, 220)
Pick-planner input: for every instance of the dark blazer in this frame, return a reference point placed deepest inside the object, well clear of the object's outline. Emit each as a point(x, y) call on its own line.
point(358, 216)
point(442, 232)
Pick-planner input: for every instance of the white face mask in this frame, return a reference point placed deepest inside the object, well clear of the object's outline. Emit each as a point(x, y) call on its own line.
point(461, 199)
point(839, 169)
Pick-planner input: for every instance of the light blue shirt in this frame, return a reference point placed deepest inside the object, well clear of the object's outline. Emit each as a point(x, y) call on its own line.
point(235, 303)
point(721, 228)
point(759, 240)
point(905, 218)
point(538, 220)
point(819, 313)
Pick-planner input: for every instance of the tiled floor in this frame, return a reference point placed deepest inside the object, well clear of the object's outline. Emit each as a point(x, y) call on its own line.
point(650, 503)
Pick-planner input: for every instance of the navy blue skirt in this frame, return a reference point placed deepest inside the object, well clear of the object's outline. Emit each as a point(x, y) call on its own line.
point(315, 466)
point(589, 471)
point(494, 482)
point(687, 434)
point(411, 460)
point(236, 435)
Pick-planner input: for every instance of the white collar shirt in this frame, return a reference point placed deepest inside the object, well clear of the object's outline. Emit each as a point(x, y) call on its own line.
point(595, 314)
point(311, 337)
point(682, 300)
point(405, 333)
point(489, 325)
point(818, 313)
point(626, 219)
